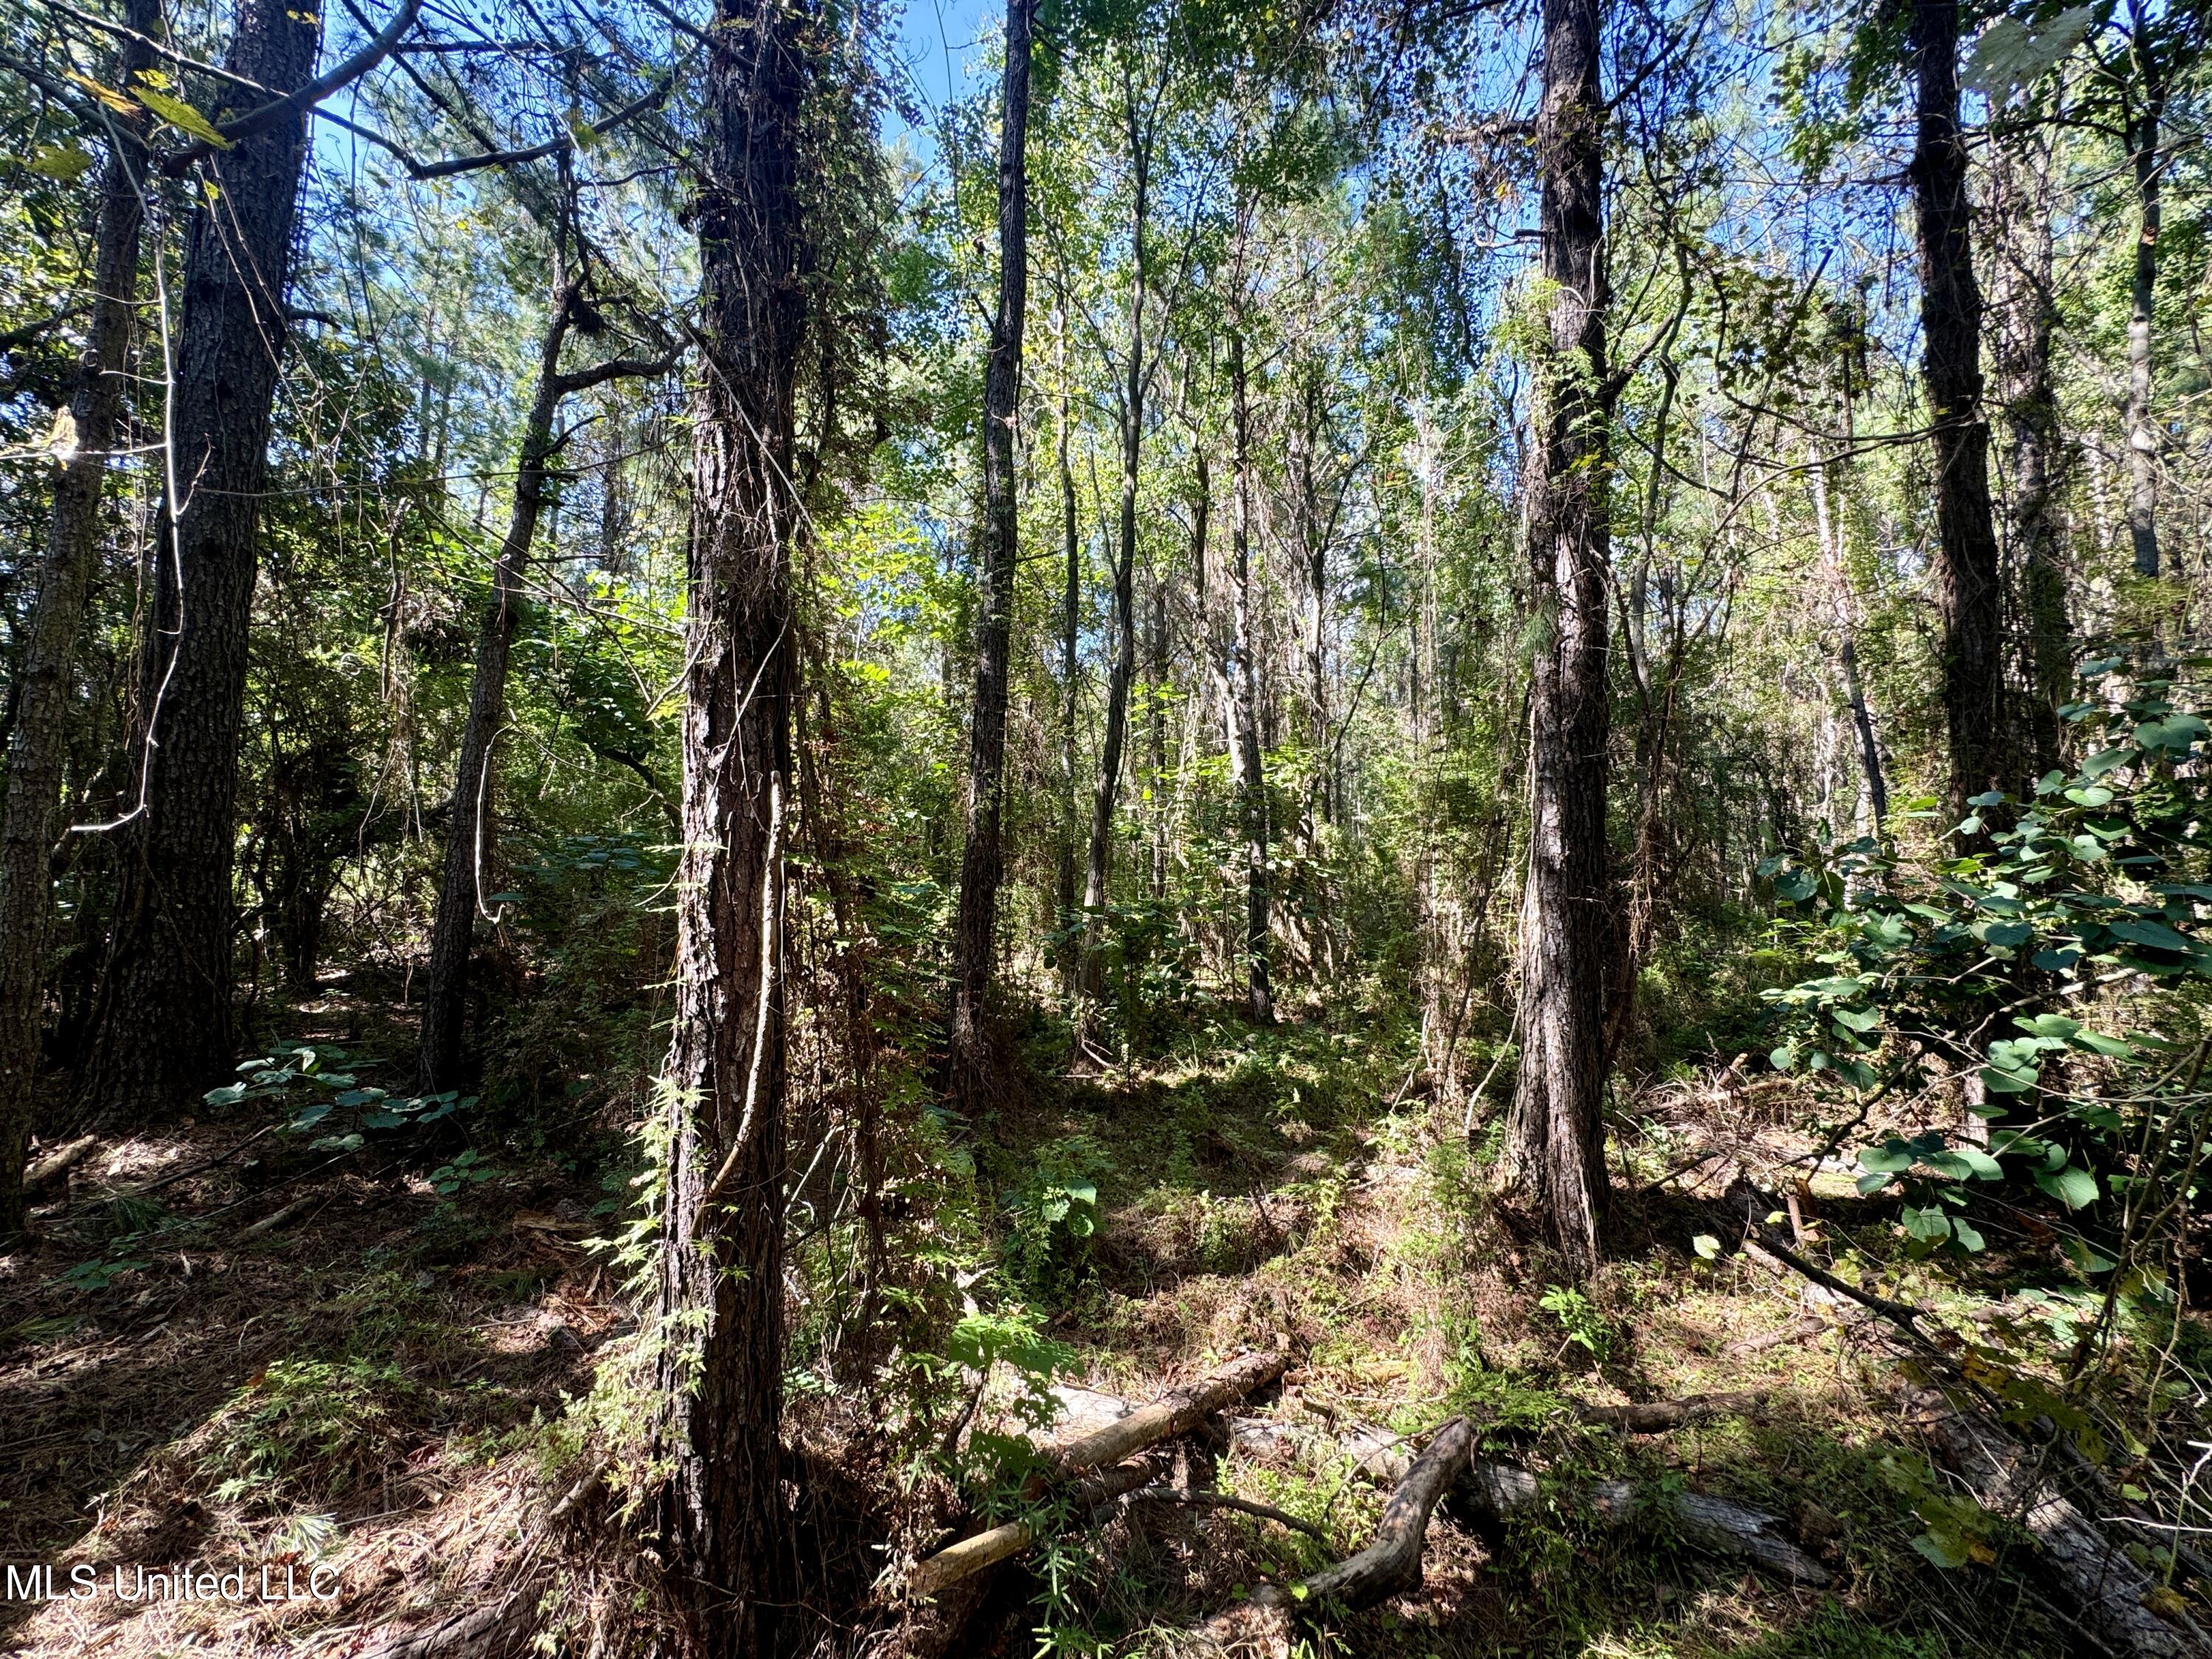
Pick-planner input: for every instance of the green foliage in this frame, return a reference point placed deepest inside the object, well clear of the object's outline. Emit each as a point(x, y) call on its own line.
point(1052, 1219)
point(1970, 953)
point(335, 1099)
point(328, 1429)
point(1584, 1325)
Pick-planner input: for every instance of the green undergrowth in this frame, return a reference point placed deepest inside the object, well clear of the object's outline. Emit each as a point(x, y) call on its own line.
point(1253, 1188)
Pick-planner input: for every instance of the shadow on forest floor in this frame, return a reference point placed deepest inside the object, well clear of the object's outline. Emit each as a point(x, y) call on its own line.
point(350, 1385)
point(1262, 1191)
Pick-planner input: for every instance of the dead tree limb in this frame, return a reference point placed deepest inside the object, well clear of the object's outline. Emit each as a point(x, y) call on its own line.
point(2104, 1585)
point(1493, 1492)
point(1387, 1567)
point(1656, 1417)
point(1221, 1500)
point(937, 1573)
point(1171, 1414)
point(1174, 1414)
point(2111, 1592)
point(1392, 1563)
point(59, 1161)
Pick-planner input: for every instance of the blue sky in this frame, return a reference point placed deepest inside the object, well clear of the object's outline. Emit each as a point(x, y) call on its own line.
point(940, 42)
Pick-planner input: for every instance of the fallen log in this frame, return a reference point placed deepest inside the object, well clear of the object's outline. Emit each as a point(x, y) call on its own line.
point(1388, 1566)
point(1108, 1446)
point(935, 1574)
point(2103, 1584)
point(49, 1166)
point(1171, 1414)
point(1656, 1416)
point(1391, 1564)
point(1493, 1491)
point(2105, 1589)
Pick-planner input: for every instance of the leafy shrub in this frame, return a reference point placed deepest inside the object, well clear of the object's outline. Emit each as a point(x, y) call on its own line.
point(1052, 1219)
point(1966, 957)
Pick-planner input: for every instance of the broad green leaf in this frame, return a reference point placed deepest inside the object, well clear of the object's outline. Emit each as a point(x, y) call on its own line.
point(2156, 934)
point(1945, 1551)
point(2073, 1186)
point(67, 162)
point(182, 115)
point(1930, 1223)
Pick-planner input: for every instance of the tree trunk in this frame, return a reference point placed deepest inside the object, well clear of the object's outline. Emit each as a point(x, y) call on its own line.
point(1828, 523)
point(1156, 711)
point(982, 862)
point(1967, 579)
point(1100, 864)
point(1071, 613)
point(1555, 1141)
point(1244, 696)
point(2142, 434)
point(444, 999)
point(46, 678)
point(164, 1027)
point(460, 896)
point(2019, 176)
point(720, 1302)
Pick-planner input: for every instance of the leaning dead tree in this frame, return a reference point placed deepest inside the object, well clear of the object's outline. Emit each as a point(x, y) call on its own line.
point(2105, 1587)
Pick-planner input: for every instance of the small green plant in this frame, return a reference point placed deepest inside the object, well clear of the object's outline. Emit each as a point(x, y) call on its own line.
point(336, 1102)
point(1052, 1220)
point(100, 1273)
point(306, 1429)
point(468, 1168)
point(1578, 1317)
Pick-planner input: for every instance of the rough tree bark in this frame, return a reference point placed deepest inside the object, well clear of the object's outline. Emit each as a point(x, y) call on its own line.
point(45, 680)
point(1554, 1153)
point(2142, 433)
point(1099, 866)
point(164, 1023)
point(444, 999)
point(1071, 614)
point(1967, 577)
point(983, 861)
point(1245, 693)
point(2019, 183)
point(720, 1299)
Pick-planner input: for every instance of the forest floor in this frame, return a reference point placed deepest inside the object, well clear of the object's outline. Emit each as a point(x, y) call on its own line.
point(226, 1346)
point(364, 1385)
